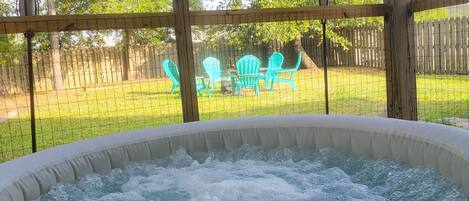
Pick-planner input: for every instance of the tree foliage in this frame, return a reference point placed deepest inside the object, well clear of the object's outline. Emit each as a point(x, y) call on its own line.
point(285, 32)
point(101, 38)
point(10, 45)
point(140, 37)
point(5, 9)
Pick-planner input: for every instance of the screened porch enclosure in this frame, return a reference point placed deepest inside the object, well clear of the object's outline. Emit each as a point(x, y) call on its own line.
point(91, 71)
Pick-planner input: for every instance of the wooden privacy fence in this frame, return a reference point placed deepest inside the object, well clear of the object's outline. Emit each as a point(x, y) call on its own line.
point(87, 67)
point(443, 46)
point(367, 49)
point(92, 67)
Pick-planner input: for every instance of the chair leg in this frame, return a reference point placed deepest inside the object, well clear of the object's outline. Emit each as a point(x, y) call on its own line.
point(206, 87)
point(239, 91)
point(293, 85)
point(200, 91)
point(208, 91)
point(257, 90)
point(173, 89)
point(233, 90)
point(212, 83)
point(272, 85)
point(266, 81)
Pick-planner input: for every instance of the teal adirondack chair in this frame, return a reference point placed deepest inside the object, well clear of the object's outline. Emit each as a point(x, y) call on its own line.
point(275, 63)
point(290, 79)
point(171, 70)
point(212, 67)
point(248, 71)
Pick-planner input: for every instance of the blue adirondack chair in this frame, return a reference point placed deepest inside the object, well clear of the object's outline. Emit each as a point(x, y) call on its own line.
point(213, 69)
point(248, 73)
point(171, 70)
point(275, 63)
point(290, 78)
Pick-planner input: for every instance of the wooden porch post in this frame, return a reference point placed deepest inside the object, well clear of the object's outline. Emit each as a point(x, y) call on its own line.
point(186, 60)
point(400, 57)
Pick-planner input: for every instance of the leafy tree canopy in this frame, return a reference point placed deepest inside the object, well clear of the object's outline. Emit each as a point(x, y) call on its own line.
point(4, 9)
point(236, 34)
point(287, 31)
point(100, 38)
point(10, 45)
point(112, 6)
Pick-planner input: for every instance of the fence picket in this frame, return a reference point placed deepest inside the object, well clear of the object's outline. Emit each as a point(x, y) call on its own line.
point(465, 48)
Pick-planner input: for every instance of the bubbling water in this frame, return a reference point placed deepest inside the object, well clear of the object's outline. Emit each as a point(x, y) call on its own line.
point(252, 173)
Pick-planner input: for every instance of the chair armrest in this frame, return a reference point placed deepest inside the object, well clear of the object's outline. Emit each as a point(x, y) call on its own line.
point(201, 79)
point(250, 75)
point(285, 71)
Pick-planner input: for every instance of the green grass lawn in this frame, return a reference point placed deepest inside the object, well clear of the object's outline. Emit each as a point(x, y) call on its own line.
point(72, 115)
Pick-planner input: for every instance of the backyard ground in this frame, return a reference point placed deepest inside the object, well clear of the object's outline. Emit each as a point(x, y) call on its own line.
point(72, 115)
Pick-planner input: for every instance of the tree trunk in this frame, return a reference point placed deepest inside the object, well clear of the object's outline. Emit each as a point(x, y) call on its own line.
point(126, 62)
point(55, 51)
point(31, 8)
point(275, 46)
point(307, 62)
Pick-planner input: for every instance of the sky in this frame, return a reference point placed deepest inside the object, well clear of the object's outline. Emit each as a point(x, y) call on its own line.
point(211, 5)
point(214, 4)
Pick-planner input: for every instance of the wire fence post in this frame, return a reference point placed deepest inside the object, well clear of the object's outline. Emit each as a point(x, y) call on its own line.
point(29, 10)
point(29, 36)
point(324, 55)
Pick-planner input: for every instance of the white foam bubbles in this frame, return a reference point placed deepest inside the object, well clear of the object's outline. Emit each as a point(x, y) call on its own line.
point(252, 173)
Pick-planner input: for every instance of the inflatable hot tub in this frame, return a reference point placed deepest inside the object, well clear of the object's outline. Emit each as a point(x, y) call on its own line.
point(443, 148)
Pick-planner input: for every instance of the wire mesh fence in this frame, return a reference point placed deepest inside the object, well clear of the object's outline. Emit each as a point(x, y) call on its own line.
point(356, 78)
point(97, 97)
point(15, 137)
point(442, 57)
point(98, 79)
point(297, 89)
point(359, 88)
point(108, 91)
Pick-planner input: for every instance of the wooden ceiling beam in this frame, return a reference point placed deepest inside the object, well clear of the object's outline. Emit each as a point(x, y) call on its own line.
point(59, 23)
point(287, 14)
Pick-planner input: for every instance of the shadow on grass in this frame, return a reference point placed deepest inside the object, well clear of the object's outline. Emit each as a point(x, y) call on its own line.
point(147, 93)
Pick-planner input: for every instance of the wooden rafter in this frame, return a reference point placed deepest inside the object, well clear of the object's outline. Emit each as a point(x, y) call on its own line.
point(287, 14)
point(157, 20)
point(84, 22)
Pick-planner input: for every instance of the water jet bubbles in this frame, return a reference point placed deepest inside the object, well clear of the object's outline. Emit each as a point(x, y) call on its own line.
point(254, 173)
